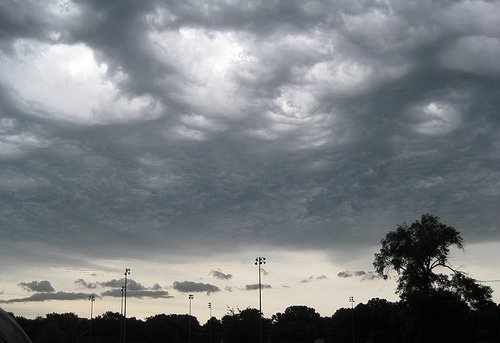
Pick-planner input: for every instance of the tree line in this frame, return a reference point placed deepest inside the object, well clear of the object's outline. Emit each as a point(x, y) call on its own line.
point(378, 320)
point(437, 304)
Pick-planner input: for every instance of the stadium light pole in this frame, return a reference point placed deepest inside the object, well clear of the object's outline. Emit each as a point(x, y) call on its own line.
point(258, 262)
point(210, 321)
point(127, 273)
point(121, 315)
point(351, 300)
point(92, 299)
point(190, 297)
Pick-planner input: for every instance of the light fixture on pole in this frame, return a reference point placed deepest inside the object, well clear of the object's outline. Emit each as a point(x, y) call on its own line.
point(92, 299)
point(127, 273)
point(351, 300)
point(258, 262)
point(190, 297)
point(210, 321)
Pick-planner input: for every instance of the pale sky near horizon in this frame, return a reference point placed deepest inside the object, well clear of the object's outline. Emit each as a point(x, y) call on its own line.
point(182, 139)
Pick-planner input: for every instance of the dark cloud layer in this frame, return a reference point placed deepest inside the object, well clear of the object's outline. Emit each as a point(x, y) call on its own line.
point(153, 294)
point(131, 284)
point(85, 284)
point(255, 286)
point(194, 287)
point(39, 297)
point(197, 128)
point(37, 286)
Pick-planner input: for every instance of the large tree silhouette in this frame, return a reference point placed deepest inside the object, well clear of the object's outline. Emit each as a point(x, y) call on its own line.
point(436, 296)
point(418, 253)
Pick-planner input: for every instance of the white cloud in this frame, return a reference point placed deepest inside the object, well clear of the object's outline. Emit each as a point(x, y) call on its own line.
point(64, 82)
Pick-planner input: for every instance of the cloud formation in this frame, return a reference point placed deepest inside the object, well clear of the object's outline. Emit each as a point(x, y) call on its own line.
point(299, 125)
point(255, 286)
point(194, 287)
point(46, 296)
point(137, 293)
point(85, 284)
point(37, 286)
point(218, 274)
point(359, 273)
point(313, 278)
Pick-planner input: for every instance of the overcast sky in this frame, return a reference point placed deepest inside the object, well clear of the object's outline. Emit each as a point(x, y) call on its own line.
point(184, 138)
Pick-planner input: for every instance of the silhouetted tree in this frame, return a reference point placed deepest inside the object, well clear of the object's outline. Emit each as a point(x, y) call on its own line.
point(107, 325)
point(213, 327)
point(379, 321)
point(60, 327)
point(437, 304)
point(244, 326)
point(297, 324)
point(171, 328)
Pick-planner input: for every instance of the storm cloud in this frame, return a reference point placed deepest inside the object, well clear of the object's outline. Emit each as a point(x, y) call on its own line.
point(129, 130)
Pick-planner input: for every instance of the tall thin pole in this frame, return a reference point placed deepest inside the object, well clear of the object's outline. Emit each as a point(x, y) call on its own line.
point(210, 321)
point(121, 315)
point(258, 262)
point(351, 300)
point(127, 272)
point(190, 297)
point(92, 299)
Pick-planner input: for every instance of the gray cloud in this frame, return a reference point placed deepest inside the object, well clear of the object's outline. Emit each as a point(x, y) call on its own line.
point(134, 289)
point(359, 273)
point(194, 287)
point(132, 285)
point(144, 293)
point(313, 278)
point(216, 273)
point(255, 286)
point(39, 297)
point(328, 120)
point(37, 286)
point(89, 285)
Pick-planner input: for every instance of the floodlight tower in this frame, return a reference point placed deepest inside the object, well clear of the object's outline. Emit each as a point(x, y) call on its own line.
point(210, 321)
point(190, 297)
point(92, 299)
point(127, 273)
point(258, 262)
point(121, 314)
point(351, 300)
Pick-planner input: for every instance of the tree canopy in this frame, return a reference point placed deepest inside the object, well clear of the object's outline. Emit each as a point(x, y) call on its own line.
point(418, 253)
